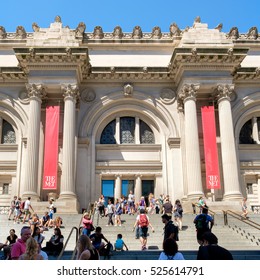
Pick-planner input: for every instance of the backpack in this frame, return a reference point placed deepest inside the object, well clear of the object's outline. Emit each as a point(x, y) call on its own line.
point(201, 222)
point(143, 221)
point(22, 205)
point(54, 209)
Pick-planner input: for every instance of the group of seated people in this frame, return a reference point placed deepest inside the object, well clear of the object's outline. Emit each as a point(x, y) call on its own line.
point(45, 222)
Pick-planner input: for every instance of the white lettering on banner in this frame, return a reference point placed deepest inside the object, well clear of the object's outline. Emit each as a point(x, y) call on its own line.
point(50, 181)
point(213, 180)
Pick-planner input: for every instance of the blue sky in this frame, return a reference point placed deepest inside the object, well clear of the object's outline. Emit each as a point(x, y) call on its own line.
point(127, 14)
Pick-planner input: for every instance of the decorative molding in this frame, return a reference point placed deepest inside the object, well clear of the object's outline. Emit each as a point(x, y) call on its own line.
point(128, 90)
point(87, 95)
point(174, 142)
point(167, 96)
point(189, 91)
point(36, 91)
point(70, 91)
point(224, 91)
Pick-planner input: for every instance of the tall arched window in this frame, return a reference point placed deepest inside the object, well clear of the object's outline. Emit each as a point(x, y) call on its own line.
point(131, 130)
point(250, 132)
point(8, 133)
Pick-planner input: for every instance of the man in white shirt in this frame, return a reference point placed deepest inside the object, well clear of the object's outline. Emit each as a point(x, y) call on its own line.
point(27, 207)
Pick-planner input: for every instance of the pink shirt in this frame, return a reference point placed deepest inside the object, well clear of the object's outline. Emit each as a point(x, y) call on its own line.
point(18, 249)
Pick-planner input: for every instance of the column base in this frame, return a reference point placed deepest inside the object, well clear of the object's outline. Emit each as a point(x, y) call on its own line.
point(33, 195)
point(194, 195)
point(68, 203)
point(232, 196)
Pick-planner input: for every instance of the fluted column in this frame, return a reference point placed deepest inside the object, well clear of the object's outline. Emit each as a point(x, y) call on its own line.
point(118, 187)
point(228, 149)
point(35, 93)
point(188, 95)
point(67, 188)
point(138, 187)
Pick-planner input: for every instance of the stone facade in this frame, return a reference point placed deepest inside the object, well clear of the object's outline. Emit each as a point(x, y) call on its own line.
point(130, 112)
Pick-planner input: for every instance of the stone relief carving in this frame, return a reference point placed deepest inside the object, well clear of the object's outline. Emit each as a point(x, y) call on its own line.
point(224, 91)
point(197, 19)
point(118, 33)
point(156, 33)
point(189, 91)
point(35, 27)
point(80, 29)
point(137, 32)
point(233, 33)
point(20, 32)
point(174, 30)
point(32, 52)
point(128, 90)
point(88, 95)
point(2, 32)
point(167, 95)
point(98, 33)
point(252, 33)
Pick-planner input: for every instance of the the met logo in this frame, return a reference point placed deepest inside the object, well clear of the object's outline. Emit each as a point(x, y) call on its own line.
point(213, 181)
point(50, 181)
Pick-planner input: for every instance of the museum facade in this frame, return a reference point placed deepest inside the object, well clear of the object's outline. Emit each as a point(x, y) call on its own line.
point(129, 116)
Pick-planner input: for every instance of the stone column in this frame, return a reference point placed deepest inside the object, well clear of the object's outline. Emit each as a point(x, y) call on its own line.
point(35, 93)
point(228, 149)
point(67, 188)
point(118, 187)
point(188, 95)
point(138, 187)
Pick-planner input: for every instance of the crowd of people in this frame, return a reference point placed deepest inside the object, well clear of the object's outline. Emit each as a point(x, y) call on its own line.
point(92, 243)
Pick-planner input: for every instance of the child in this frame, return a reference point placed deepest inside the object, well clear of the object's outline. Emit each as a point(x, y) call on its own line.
point(119, 244)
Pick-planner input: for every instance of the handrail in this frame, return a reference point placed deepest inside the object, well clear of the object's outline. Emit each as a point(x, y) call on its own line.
point(66, 243)
point(238, 217)
point(212, 213)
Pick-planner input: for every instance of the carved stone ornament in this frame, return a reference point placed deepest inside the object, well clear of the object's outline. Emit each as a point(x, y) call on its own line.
point(98, 33)
point(80, 29)
point(57, 19)
point(233, 33)
point(128, 90)
point(118, 33)
point(20, 32)
point(156, 33)
point(23, 97)
point(137, 32)
point(2, 32)
point(88, 95)
point(174, 30)
point(70, 90)
point(189, 91)
point(35, 27)
point(35, 90)
point(167, 95)
point(252, 33)
point(224, 91)
point(219, 27)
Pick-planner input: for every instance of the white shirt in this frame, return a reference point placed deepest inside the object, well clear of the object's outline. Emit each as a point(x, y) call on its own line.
point(27, 204)
point(177, 256)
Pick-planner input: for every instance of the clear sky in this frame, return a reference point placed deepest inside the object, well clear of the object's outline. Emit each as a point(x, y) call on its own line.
point(127, 14)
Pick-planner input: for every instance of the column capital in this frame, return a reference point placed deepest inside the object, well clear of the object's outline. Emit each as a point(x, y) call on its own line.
point(189, 91)
point(36, 91)
point(70, 91)
point(224, 91)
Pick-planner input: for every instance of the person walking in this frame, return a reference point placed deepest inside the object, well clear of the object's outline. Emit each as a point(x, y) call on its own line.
point(12, 208)
point(142, 221)
point(110, 212)
point(170, 229)
point(178, 213)
point(27, 207)
point(244, 208)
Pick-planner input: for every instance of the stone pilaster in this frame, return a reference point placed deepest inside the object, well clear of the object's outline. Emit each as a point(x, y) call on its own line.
point(67, 188)
point(118, 187)
point(188, 94)
point(36, 93)
point(228, 149)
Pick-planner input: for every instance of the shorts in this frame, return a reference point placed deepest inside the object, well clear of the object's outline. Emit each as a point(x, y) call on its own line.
point(143, 232)
point(27, 212)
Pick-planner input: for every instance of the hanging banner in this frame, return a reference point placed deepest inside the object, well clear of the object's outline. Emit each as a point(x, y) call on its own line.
point(210, 147)
point(51, 147)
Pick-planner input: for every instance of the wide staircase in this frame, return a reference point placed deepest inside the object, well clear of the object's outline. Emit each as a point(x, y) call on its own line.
point(240, 237)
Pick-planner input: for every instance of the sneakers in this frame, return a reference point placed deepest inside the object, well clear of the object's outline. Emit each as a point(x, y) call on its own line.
point(143, 248)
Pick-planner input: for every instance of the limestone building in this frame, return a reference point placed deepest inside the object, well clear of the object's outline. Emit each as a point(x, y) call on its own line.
point(129, 112)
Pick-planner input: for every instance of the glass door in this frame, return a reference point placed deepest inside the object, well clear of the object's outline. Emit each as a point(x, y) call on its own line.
point(107, 189)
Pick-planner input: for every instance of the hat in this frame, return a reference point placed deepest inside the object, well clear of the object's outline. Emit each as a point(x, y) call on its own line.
point(165, 216)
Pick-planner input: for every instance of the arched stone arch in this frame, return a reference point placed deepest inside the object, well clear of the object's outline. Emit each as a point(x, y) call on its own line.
point(156, 116)
point(247, 108)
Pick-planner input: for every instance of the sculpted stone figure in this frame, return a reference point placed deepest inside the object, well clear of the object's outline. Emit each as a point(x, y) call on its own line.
point(20, 32)
point(219, 27)
point(174, 30)
point(233, 33)
point(128, 90)
point(156, 33)
point(137, 32)
point(35, 27)
point(57, 19)
point(2, 32)
point(80, 29)
point(252, 33)
point(98, 32)
point(117, 33)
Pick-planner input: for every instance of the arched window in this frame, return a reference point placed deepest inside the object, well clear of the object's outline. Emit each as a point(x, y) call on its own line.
point(108, 134)
point(131, 130)
point(8, 133)
point(250, 132)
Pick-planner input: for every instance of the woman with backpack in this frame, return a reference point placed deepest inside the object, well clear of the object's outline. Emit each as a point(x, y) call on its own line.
point(178, 213)
point(142, 221)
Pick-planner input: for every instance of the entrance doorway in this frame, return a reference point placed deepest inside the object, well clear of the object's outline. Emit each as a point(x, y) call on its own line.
point(127, 186)
point(147, 188)
point(107, 190)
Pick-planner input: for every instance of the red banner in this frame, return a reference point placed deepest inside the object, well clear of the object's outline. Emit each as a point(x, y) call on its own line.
point(210, 147)
point(51, 147)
